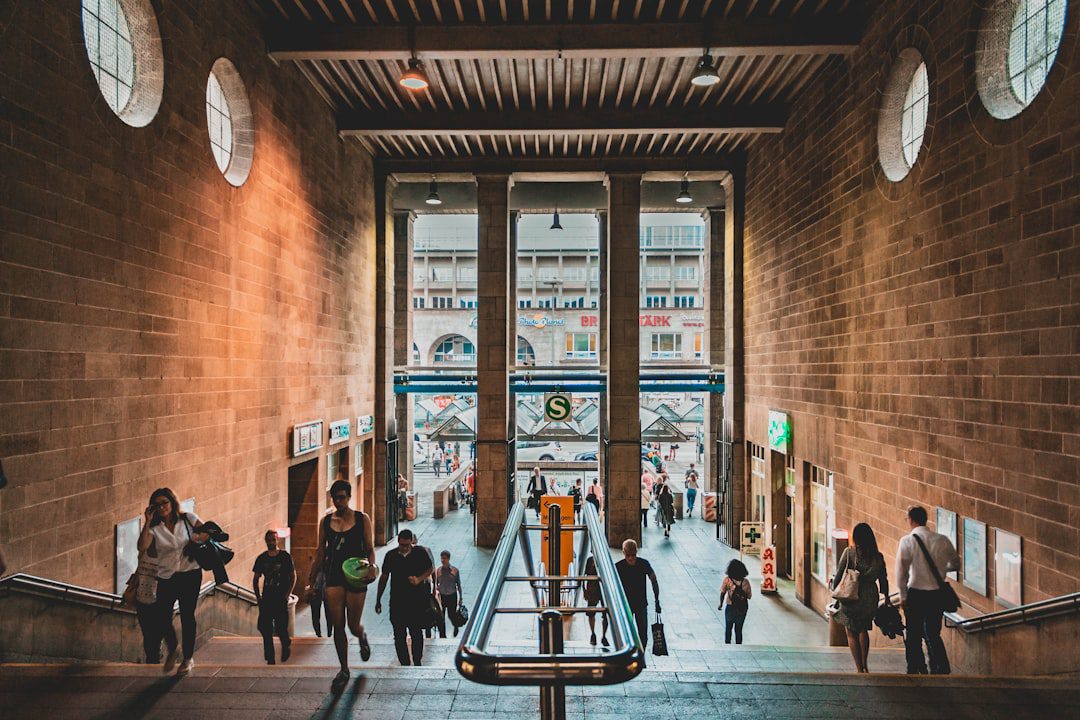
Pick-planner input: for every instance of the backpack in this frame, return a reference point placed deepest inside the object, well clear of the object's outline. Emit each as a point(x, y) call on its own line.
point(738, 599)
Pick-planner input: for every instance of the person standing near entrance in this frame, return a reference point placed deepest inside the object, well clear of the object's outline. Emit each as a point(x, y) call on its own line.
point(275, 568)
point(169, 531)
point(537, 489)
point(344, 534)
point(920, 592)
point(408, 569)
point(633, 571)
point(691, 482)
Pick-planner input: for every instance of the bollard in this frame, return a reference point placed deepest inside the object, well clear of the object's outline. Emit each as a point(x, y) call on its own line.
point(552, 697)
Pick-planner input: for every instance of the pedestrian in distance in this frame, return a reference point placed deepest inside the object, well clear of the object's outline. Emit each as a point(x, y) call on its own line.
point(735, 594)
point(857, 616)
point(345, 536)
point(633, 572)
point(592, 598)
point(665, 499)
point(575, 492)
point(646, 503)
point(691, 483)
point(436, 461)
point(448, 591)
point(922, 557)
point(315, 594)
point(168, 531)
point(537, 489)
point(595, 496)
point(278, 575)
point(407, 569)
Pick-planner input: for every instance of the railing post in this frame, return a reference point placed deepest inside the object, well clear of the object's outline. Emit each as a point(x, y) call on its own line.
point(552, 696)
point(554, 561)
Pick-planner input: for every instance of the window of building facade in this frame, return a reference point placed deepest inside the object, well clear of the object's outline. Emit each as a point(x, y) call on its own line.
point(685, 301)
point(442, 273)
point(229, 122)
point(467, 302)
point(903, 117)
point(455, 349)
point(524, 303)
point(419, 276)
point(442, 303)
point(686, 272)
point(525, 353)
point(418, 303)
point(574, 303)
point(656, 301)
point(124, 48)
point(822, 521)
point(658, 274)
point(666, 346)
point(466, 273)
point(759, 486)
point(545, 303)
point(1017, 45)
point(581, 346)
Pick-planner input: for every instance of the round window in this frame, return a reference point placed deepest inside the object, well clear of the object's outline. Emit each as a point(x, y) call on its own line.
point(904, 108)
point(124, 48)
point(229, 122)
point(1017, 45)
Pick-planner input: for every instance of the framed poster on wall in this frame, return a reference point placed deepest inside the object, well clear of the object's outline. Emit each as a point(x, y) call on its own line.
point(975, 555)
point(1008, 563)
point(307, 437)
point(946, 525)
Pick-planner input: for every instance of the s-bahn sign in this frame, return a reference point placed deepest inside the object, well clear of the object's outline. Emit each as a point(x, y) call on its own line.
point(558, 407)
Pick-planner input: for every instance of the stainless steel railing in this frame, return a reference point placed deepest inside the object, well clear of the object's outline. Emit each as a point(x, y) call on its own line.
point(550, 668)
point(1030, 613)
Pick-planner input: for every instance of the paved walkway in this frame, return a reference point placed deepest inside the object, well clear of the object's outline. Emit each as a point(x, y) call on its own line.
point(139, 692)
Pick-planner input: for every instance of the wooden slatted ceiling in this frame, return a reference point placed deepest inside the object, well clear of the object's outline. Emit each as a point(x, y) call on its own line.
point(551, 85)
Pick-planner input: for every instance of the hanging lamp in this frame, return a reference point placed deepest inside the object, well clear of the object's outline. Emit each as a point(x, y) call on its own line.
point(555, 225)
point(705, 72)
point(684, 197)
point(433, 193)
point(414, 78)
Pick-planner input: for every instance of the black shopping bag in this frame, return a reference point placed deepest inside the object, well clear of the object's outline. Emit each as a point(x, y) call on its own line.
point(659, 642)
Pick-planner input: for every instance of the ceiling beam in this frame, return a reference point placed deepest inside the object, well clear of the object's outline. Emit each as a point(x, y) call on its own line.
point(535, 168)
point(724, 37)
point(752, 119)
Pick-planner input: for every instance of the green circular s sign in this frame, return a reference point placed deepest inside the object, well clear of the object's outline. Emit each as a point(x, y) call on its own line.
point(557, 407)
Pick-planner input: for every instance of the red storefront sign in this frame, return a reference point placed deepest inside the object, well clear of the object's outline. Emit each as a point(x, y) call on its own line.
point(644, 321)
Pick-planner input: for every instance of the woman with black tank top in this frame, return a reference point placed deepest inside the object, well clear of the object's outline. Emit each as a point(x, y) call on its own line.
point(343, 534)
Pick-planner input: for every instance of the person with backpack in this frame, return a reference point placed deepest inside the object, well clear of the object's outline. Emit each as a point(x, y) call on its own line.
point(735, 592)
point(857, 616)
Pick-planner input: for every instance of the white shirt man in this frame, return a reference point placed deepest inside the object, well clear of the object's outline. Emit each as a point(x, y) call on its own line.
point(920, 592)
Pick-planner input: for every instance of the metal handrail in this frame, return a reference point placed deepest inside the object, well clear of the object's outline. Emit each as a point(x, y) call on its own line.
point(1032, 612)
point(474, 662)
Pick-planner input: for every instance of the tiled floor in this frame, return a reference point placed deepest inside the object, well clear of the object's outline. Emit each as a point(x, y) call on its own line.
point(297, 693)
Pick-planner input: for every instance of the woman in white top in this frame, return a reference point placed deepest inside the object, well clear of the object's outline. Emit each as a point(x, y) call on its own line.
point(169, 531)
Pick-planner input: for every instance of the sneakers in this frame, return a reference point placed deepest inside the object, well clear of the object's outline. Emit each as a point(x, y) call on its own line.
point(604, 641)
point(365, 648)
point(286, 651)
point(170, 660)
point(186, 666)
point(592, 639)
point(341, 678)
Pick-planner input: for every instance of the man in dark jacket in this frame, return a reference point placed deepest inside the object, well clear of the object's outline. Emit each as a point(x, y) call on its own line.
point(275, 568)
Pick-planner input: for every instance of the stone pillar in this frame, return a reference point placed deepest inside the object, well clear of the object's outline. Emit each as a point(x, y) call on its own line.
point(385, 421)
point(713, 342)
point(403, 333)
point(622, 355)
point(493, 347)
point(734, 351)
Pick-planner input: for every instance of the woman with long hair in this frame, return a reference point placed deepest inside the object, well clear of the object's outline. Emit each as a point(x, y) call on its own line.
point(857, 616)
point(168, 531)
point(666, 502)
point(735, 593)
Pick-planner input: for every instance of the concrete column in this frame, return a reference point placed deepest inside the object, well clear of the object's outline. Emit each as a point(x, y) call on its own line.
point(623, 362)
point(403, 332)
point(493, 349)
point(711, 269)
point(734, 350)
point(385, 419)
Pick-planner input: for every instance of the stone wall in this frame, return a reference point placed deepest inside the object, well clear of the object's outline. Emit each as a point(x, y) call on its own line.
point(924, 335)
point(159, 327)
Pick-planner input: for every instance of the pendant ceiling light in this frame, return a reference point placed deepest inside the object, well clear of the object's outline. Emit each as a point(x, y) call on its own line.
point(555, 220)
point(705, 73)
point(433, 193)
point(414, 78)
point(684, 196)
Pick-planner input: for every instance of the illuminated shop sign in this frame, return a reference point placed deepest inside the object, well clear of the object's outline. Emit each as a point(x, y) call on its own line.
point(779, 431)
point(646, 321)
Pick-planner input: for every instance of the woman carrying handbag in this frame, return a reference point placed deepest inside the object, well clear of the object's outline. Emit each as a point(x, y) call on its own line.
point(859, 576)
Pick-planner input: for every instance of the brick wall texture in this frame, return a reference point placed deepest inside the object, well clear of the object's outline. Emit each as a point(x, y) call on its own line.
point(925, 335)
point(159, 327)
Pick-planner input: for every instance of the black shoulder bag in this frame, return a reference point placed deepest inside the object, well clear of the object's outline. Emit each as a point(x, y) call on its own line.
point(947, 597)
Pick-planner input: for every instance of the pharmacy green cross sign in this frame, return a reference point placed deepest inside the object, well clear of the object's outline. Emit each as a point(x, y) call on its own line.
point(558, 407)
point(753, 537)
